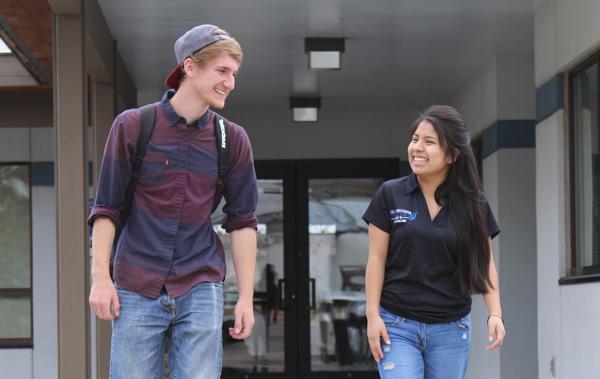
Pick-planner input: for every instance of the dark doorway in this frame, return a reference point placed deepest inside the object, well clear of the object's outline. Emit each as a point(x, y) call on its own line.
point(309, 284)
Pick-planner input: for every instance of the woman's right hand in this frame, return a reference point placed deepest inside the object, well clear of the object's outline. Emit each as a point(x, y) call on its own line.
point(375, 332)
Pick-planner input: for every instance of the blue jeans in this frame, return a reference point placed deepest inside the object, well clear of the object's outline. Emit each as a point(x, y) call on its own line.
point(425, 351)
point(192, 323)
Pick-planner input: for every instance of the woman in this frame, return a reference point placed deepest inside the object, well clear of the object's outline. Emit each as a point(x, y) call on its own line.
point(429, 247)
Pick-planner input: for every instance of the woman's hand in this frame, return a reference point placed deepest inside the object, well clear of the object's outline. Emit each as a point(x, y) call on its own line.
point(375, 332)
point(496, 332)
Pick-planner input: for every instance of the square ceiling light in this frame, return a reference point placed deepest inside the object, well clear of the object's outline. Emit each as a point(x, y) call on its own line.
point(324, 53)
point(305, 109)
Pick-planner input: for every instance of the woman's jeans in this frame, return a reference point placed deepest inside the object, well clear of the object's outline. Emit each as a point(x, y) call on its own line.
point(192, 323)
point(425, 351)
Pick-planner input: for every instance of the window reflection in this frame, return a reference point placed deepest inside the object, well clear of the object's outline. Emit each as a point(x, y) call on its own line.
point(586, 183)
point(15, 255)
point(263, 350)
point(338, 244)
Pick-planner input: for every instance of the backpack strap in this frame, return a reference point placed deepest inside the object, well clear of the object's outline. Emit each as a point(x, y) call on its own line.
point(147, 125)
point(223, 157)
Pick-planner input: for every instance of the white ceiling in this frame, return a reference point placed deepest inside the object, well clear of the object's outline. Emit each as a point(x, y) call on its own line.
point(399, 53)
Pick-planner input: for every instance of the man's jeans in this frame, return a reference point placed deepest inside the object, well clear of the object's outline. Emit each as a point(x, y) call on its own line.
point(191, 322)
point(419, 350)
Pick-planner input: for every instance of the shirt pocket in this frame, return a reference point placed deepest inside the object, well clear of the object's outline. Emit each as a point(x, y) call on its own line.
point(154, 167)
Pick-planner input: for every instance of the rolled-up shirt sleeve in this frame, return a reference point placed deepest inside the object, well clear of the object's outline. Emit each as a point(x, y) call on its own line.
point(241, 193)
point(115, 170)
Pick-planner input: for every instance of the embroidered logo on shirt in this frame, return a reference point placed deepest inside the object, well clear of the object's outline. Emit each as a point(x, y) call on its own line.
point(400, 216)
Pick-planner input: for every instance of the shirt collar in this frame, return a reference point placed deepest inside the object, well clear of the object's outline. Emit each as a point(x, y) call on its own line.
point(173, 117)
point(411, 184)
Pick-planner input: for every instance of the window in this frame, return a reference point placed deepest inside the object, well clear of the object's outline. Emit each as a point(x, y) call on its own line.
point(585, 170)
point(15, 256)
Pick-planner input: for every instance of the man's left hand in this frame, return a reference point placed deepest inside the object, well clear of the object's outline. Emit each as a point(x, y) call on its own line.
point(243, 320)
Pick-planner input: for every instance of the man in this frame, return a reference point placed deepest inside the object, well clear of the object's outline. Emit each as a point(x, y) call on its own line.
point(169, 264)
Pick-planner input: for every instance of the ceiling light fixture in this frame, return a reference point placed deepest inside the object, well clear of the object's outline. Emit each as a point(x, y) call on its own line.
point(324, 53)
point(305, 109)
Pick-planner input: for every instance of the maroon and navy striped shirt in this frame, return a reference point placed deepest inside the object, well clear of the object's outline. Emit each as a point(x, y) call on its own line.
point(169, 239)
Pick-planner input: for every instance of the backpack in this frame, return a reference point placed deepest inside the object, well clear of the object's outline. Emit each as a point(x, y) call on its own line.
point(221, 127)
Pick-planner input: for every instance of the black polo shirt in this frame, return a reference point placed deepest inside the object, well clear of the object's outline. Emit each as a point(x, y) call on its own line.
point(421, 281)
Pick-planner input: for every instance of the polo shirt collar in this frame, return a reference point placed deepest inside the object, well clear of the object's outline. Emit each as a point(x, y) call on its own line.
point(411, 184)
point(173, 117)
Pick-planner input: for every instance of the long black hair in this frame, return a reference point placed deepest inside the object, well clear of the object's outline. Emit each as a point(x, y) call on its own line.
point(461, 193)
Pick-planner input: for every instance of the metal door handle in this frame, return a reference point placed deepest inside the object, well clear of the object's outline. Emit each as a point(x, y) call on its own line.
point(281, 294)
point(313, 293)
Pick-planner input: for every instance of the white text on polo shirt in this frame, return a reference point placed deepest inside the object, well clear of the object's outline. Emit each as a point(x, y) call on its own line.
point(399, 216)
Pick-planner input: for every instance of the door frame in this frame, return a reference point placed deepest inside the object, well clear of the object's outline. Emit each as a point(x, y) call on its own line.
point(325, 169)
point(295, 175)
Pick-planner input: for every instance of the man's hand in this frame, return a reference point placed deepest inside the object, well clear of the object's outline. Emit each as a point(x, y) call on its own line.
point(243, 320)
point(103, 295)
point(104, 299)
point(243, 254)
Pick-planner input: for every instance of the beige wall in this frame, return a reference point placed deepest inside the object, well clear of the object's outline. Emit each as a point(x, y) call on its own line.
point(503, 89)
point(566, 31)
point(338, 134)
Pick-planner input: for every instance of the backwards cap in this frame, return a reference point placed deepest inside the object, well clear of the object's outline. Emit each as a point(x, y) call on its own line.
point(190, 42)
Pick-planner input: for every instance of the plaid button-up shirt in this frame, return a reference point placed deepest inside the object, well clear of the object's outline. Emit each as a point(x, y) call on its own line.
point(168, 239)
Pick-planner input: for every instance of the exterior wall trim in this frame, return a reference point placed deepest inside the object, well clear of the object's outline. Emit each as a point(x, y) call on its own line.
point(550, 97)
point(579, 279)
point(42, 174)
point(506, 134)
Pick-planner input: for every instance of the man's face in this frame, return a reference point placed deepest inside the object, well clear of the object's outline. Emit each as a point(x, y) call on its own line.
point(213, 82)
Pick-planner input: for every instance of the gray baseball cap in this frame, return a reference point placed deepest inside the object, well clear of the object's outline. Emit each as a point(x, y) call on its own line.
point(190, 42)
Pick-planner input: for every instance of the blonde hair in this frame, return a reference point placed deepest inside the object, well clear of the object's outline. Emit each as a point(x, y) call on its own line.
point(229, 47)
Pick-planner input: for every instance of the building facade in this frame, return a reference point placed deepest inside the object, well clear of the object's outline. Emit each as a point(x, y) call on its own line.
point(533, 113)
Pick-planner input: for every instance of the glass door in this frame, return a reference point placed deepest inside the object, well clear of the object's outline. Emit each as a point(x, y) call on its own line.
point(338, 249)
point(309, 301)
point(263, 353)
point(332, 315)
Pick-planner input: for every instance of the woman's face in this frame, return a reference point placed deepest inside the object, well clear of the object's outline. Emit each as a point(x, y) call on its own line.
point(425, 154)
